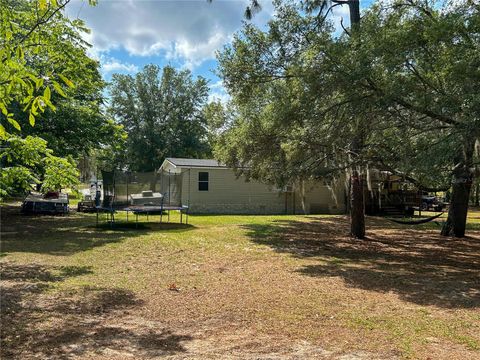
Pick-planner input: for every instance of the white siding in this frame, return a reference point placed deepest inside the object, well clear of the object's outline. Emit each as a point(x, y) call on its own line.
point(325, 199)
point(228, 194)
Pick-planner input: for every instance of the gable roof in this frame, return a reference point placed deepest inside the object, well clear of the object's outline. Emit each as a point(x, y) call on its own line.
point(195, 163)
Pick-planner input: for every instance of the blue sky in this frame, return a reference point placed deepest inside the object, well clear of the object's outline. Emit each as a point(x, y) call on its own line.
point(129, 34)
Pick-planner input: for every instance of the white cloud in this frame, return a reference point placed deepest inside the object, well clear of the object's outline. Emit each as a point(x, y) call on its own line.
point(195, 54)
point(114, 65)
point(188, 30)
point(218, 93)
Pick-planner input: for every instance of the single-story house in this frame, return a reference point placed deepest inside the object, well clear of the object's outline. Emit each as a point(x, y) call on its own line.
point(207, 186)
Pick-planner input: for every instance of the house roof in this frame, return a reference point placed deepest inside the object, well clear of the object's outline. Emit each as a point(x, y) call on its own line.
point(198, 163)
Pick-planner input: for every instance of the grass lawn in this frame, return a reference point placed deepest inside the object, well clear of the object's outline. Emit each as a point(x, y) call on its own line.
point(237, 287)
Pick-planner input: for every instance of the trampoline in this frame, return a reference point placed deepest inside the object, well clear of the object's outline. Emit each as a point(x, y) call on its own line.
point(141, 194)
point(144, 210)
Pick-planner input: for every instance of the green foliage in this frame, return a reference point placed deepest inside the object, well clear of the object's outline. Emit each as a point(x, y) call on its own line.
point(39, 50)
point(15, 180)
point(79, 124)
point(66, 78)
point(283, 127)
point(27, 162)
point(112, 156)
point(76, 128)
point(162, 112)
point(59, 173)
point(420, 66)
point(400, 93)
point(217, 117)
point(28, 151)
point(51, 92)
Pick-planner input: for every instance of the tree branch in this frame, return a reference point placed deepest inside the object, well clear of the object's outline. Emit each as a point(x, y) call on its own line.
point(43, 20)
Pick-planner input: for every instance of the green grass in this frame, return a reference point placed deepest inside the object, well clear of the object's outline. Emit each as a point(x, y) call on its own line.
point(70, 288)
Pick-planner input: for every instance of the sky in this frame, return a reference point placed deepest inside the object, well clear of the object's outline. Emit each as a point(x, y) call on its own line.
point(129, 34)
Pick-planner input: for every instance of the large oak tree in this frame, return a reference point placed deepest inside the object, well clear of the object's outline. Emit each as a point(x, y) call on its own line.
point(162, 112)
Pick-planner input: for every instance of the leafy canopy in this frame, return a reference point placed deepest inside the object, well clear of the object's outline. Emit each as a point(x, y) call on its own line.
point(28, 161)
point(162, 113)
point(407, 80)
point(36, 32)
point(42, 59)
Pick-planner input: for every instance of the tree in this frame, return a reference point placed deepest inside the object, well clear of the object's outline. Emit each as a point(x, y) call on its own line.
point(277, 65)
point(79, 123)
point(385, 96)
point(32, 31)
point(42, 57)
point(357, 202)
point(423, 66)
point(321, 9)
point(28, 161)
point(162, 114)
point(406, 51)
point(252, 8)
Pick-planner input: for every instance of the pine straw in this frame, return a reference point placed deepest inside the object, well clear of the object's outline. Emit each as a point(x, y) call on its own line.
point(238, 287)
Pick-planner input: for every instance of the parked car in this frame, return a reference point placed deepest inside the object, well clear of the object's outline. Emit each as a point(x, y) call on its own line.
point(432, 203)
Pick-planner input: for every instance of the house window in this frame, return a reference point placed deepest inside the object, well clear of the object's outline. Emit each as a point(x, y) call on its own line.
point(203, 181)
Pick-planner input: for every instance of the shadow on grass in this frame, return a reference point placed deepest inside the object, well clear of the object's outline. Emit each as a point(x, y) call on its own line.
point(40, 324)
point(64, 235)
point(126, 226)
point(436, 225)
point(38, 273)
point(420, 266)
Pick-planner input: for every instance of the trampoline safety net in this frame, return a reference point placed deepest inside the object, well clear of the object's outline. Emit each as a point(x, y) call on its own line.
point(121, 188)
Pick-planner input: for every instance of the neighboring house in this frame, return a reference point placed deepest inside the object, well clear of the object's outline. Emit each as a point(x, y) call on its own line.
point(207, 186)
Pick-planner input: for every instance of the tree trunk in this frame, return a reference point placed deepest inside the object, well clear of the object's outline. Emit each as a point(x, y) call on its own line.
point(462, 184)
point(457, 213)
point(354, 7)
point(357, 208)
